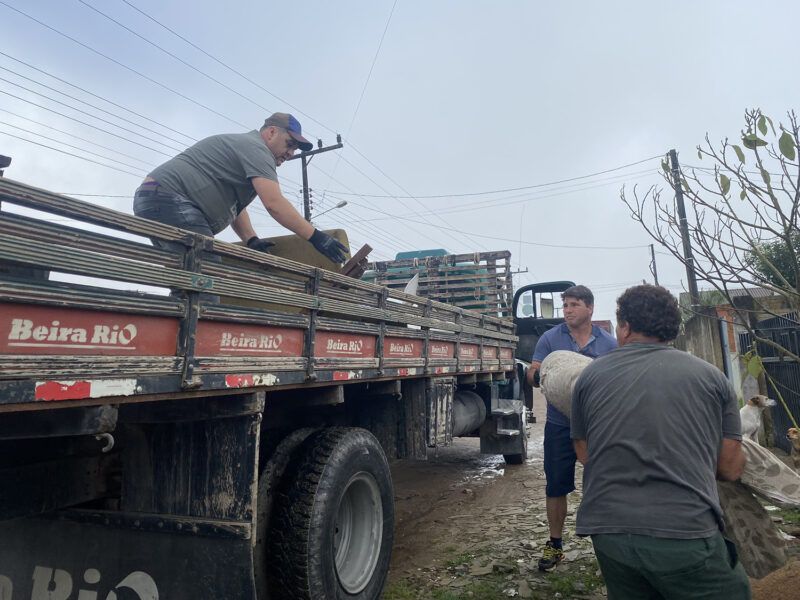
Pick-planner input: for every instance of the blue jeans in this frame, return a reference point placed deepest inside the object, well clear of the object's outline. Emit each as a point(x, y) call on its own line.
point(154, 204)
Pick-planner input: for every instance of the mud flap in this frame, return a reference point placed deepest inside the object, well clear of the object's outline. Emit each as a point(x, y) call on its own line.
point(43, 559)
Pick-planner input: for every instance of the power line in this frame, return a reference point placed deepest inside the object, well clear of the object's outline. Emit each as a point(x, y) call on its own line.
point(50, 127)
point(71, 154)
point(231, 69)
point(81, 122)
point(167, 52)
point(489, 237)
point(518, 189)
point(371, 67)
point(494, 203)
point(72, 146)
point(83, 112)
point(85, 91)
point(87, 104)
point(124, 66)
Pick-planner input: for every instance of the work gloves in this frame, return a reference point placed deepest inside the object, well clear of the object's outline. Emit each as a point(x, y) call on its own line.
point(254, 243)
point(328, 247)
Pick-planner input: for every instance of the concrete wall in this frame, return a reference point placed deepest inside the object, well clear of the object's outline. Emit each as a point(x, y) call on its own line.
point(701, 337)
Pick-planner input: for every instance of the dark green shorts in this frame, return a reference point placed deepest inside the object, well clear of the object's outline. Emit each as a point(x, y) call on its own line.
point(641, 567)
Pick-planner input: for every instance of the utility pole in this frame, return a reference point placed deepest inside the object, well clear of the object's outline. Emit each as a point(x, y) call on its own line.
point(687, 246)
point(305, 158)
point(4, 162)
point(653, 264)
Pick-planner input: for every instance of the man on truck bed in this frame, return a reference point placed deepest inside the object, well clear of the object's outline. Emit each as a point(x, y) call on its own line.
point(577, 334)
point(209, 185)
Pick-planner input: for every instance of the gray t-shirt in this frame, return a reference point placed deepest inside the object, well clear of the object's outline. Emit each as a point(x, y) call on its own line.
point(215, 174)
point(653, 418)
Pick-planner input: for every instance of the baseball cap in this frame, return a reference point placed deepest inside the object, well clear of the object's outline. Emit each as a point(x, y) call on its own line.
point(292, 125)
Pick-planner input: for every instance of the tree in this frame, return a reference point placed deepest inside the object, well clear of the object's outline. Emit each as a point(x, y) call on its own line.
point(742, 214)
point(776, 254)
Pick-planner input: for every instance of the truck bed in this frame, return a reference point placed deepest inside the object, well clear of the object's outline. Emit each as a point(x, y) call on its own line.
point(67, 334)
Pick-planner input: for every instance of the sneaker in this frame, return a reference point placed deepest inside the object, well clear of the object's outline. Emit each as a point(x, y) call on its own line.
point(550, 558)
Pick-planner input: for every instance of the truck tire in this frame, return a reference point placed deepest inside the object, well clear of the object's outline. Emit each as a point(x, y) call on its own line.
point(333, 525)
point(269, 481)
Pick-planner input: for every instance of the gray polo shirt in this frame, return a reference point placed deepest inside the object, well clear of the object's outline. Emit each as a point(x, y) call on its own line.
point(653, 418)
point(215, 174)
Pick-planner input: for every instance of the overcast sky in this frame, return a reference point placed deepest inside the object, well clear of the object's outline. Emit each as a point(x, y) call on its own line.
point(442, 105)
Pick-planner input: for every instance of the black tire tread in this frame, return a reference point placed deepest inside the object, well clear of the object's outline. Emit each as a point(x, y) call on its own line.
point(292, 523)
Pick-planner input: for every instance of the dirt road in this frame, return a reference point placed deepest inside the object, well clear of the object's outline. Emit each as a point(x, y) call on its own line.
point(468, 526)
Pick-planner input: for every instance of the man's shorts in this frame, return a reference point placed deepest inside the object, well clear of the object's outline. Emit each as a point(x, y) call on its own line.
point(559, 460)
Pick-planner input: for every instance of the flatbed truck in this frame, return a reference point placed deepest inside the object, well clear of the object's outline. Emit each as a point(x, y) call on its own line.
point(227, 432)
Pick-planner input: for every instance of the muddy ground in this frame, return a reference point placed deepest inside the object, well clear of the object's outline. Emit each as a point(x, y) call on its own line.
point(469, 526)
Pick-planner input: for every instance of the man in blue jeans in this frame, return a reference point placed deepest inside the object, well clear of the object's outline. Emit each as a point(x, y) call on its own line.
point(577, 334)
point(208, 186)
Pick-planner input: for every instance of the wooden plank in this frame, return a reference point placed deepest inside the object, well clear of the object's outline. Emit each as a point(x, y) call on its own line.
point(356, 266)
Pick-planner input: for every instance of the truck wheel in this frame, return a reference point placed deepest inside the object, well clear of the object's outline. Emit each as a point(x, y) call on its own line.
point(518, 459)
point(334, 521)
point(269, 480)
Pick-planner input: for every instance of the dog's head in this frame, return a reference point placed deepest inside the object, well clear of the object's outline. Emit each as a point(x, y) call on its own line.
point(760, 401)
point(794, 436)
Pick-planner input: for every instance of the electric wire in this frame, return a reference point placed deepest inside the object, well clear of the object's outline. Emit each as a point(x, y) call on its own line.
point(83, 122)
point(71, 154)
point(228, 67)
point(83, 112)
point(526, 198)
point(124, 66)
point(51, 127)
point(517, 189)
point(88, 104)
point(369, 74)
point(85, 91)
point(124, 164)
point(179, 59)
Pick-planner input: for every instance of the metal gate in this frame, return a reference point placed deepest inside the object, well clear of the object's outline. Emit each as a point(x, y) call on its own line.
point(784, 372)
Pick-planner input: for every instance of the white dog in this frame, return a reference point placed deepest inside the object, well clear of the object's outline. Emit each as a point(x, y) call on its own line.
point(751, 416)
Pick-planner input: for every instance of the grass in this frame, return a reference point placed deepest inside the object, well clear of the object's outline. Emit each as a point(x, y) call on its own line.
point(492, 585)
point(490, 588)
point(790, 516)
point(564, 582)
point(399, 590)
point(460, 559)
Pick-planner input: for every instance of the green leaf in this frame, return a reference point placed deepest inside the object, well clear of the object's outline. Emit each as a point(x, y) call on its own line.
point(739, 153)
point(786, 145)
point(765, 176)
point(772, 126)
point(685, 184)
point(724, 184)
point(762, 125)
point(665, 166)
point(743, 195)
point(751, 141)
point(754, 366)
point(699, 155)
